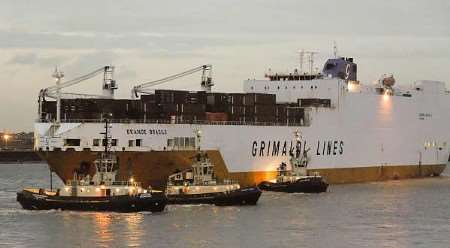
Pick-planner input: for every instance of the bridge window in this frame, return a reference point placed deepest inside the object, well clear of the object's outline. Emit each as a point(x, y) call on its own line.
point(96, 142)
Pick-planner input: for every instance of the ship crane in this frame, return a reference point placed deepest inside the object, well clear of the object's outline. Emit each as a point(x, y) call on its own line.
point(54, 92)
point(206, 80)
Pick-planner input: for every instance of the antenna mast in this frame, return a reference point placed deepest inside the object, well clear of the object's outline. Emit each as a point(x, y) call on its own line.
point(335, 49)
point(310, 59)
point(302, 54)
point(58, 75)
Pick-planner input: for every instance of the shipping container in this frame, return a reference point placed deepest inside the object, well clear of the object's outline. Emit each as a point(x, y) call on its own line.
point(314, 102)
point(236, 99)
point(265, 110)
point(216, 116)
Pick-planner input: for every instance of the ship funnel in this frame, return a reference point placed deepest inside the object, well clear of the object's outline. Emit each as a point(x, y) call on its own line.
point(343, 68)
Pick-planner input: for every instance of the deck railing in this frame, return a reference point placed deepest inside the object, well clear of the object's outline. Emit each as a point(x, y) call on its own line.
point(192, 122)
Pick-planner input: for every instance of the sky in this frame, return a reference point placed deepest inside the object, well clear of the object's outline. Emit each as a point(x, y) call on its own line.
point(147, 40)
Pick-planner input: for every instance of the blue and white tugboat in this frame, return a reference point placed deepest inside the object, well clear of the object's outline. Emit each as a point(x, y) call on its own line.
point(101, 192)
point(198, 185)
point(296, 180)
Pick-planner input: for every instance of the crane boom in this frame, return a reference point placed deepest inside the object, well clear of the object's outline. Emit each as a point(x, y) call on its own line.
point(206, 82)
point(76, 80)
point(109, 85)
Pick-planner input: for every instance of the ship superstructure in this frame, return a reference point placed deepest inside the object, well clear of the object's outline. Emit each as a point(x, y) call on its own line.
point(352, 132)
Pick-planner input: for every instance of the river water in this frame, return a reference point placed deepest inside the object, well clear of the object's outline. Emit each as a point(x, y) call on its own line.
point(404, 213)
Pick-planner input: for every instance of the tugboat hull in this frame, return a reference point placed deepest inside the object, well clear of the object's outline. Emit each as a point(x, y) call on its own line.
point(302, 185)
point(154, 202)
point(245, 196)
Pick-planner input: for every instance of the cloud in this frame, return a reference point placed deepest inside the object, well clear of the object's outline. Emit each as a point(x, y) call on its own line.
point(23, 59)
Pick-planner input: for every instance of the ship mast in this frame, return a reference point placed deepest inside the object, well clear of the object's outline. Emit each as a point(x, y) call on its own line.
point(58, 75)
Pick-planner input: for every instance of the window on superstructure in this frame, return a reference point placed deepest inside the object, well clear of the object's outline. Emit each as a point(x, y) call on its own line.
point(138, 142)
point(130, 143)
point(72, 142)
point(96, 142)
point(329, 66)
point(113, 142)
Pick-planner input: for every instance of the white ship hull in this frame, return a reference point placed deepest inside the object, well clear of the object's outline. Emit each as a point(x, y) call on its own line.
point(360, 130)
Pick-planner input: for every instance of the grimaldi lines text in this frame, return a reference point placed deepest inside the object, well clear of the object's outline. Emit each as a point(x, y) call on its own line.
point(350, 132)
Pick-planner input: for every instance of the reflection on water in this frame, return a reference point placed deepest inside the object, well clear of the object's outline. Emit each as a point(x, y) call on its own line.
point(102, 224)
point(408, 213)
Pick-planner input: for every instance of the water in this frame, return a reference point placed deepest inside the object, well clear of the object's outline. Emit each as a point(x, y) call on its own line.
point(407, 213)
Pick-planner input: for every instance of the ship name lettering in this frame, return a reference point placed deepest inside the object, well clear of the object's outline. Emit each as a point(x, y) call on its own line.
point(285, 148)
point(272, 148)
point(136, 131)
point(147, 131)
point(330, 147)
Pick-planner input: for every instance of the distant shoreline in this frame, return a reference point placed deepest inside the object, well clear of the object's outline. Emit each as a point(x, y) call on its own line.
point(19, 157)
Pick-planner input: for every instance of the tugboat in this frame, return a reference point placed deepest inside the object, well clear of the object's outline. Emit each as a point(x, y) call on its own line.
point(198, 185)
point(297, 179)
point(99, 193)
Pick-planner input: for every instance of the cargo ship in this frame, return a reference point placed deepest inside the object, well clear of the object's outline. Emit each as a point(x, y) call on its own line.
point(351, 131)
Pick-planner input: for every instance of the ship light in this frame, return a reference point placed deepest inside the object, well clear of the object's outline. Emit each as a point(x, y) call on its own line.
point(351, 87)
point(197, 188)
point(102, 187)
point(145, 191)
point(131, 180)
point(117, 190)
point(215, 188)
point(66, 189)
point(97, 189)
point(386, 96)
point(82, 189)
